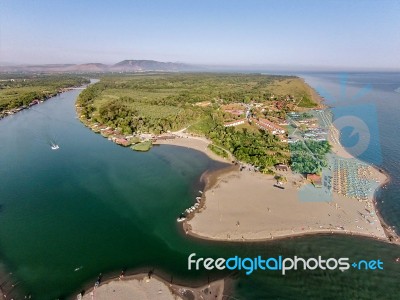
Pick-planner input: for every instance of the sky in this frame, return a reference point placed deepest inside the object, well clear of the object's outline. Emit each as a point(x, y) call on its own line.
point(307, 33)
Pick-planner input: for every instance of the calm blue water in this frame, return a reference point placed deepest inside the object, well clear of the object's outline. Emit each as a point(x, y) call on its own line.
point(374, 98)
point(103, 207)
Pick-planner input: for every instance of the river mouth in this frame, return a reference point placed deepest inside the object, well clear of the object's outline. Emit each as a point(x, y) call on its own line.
point(95, 205)
point(91, 205)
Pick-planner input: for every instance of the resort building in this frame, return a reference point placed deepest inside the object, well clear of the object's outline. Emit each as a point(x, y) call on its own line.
point(268, 125)
point(234, 123)
point(122, 141)
point(315, 179)
point(235, 109)
point(165, 137)
point(281, 167)
point(203, 103)
point(235, 112)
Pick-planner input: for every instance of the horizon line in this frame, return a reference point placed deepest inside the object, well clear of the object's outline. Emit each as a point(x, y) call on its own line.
point(223, 66)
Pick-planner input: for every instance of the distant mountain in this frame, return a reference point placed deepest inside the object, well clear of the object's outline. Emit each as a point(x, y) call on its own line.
point(89, 68)
point(123, 66)
point(148, 65)
point(53, 68)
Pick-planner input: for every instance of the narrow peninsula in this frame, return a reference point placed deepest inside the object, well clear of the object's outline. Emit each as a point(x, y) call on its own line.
point(289, 174)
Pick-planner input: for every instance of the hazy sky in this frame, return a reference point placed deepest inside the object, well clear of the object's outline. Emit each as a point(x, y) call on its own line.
point(344, 33)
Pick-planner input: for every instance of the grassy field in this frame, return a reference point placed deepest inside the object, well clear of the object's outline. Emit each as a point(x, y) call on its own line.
point(294, 86)
point(143, 146)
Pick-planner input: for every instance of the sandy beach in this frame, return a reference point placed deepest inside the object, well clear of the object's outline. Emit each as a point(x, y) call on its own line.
point(141, 287)
point(193, 142)
point(245, 205)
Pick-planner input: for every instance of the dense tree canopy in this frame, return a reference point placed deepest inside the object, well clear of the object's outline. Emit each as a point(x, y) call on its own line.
point(18, 90)
point(309, 156)
point(159, 103)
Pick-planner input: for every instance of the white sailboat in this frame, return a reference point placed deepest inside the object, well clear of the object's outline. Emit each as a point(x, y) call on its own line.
point(54, 146)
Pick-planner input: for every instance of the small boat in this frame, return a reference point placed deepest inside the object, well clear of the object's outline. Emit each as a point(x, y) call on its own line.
point(54, 146)
point(201, 192)
point(198, 198)
point(279, 186)
point(181, 218)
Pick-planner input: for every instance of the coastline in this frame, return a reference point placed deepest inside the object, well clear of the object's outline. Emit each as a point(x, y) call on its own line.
point(222, 176)
point(214, 180)
point(219, 218)
point(10, 112)
point(204, 224)
point(194, 227)
point(146, 286)
point(193, 142)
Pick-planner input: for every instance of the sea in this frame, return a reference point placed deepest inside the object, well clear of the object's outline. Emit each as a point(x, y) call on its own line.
point(93, 207)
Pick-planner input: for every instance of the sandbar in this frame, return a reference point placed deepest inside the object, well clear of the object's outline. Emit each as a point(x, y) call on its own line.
point(142, 287)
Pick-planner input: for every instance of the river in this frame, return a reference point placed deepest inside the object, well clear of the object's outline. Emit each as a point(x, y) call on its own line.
point(94, 207)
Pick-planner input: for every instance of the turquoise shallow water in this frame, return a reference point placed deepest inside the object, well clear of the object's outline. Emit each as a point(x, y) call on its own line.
point(104, 208)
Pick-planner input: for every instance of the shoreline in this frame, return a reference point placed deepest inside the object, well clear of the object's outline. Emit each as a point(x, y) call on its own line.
point(216, 177)
point(391, 235)
point(193, 142)
point(12, 111)
point(267, 235)
point(149, 286)
point(219, 176)
point(213, 178)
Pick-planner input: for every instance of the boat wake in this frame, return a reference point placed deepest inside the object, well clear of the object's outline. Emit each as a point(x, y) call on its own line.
point(54, 146)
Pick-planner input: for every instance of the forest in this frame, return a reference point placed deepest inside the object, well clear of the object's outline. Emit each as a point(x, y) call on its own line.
point(309, 156)
point(20, 89)
point(258, 148)
point(160, 103)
